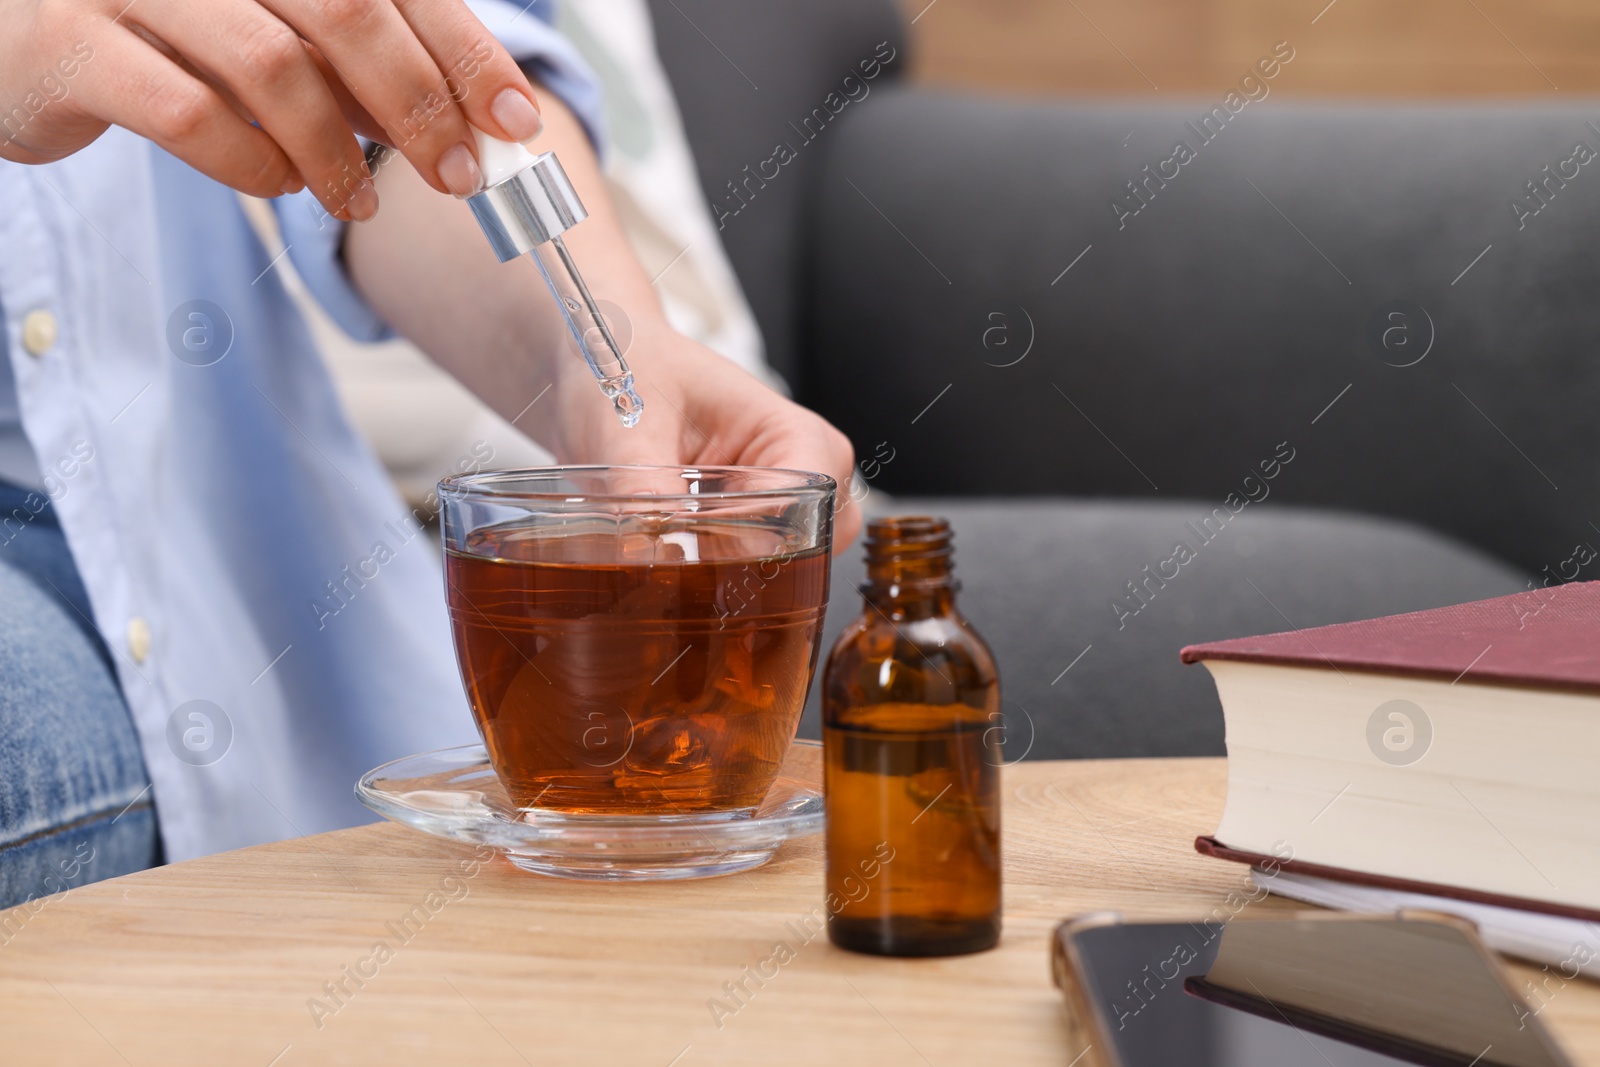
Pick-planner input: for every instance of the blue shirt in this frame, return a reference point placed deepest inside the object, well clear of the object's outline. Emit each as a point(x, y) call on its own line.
point(247, 559)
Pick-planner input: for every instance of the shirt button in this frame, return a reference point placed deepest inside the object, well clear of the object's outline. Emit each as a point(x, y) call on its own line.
point(138, 639)
point(38, 331)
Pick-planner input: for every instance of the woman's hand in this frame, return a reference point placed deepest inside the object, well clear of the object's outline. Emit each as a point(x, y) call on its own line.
point(698, 409)
point(426, 269)
point(193, 75)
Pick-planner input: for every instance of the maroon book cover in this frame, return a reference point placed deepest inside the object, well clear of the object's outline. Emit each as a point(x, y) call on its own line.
point(1547, 637)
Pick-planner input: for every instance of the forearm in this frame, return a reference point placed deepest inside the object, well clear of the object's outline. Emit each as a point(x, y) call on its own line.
point(425, 267)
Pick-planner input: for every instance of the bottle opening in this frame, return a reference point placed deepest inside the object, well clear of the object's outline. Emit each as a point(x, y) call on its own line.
point(908, 552)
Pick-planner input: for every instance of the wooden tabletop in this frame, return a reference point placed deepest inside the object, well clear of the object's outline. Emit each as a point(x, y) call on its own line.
point(225, 960)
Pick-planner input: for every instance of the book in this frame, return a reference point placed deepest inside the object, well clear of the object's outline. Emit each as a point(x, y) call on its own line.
point(1452, 752)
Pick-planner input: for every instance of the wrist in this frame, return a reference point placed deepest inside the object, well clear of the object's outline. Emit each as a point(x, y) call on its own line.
point(651, 348)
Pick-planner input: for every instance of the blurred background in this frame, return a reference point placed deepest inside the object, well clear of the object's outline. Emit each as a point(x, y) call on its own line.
point(1364, 48)
point(1353, 333)
point(1121, 53)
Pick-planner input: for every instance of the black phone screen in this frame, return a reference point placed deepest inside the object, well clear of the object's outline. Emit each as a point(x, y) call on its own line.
point(1347, 992)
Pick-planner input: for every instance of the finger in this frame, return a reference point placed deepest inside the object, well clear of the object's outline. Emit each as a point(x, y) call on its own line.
point(830, 457)
point(794, 438)
point(146, 93)
point(241, 48)
point(484, 80)
point(377, 55)
point(359, 118)
point(847, 521)
point(763, 430)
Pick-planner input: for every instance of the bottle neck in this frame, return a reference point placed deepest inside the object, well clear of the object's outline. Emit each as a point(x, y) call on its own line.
point(908, 568)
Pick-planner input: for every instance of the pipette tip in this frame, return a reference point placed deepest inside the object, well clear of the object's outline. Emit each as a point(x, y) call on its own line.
point(624, 398)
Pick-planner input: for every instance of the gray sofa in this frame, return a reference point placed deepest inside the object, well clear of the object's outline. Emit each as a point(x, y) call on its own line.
point(1083, 373)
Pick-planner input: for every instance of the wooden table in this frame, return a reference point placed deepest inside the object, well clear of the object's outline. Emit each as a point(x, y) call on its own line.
point(218, 960)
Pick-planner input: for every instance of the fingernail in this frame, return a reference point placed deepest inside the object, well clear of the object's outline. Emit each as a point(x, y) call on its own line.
point(293, 184)
point(363, 202)
point(459, 171)
point(516, 115)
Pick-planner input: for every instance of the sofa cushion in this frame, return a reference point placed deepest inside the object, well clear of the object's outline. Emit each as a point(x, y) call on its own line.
point(1248, 301)
point(1039, 579)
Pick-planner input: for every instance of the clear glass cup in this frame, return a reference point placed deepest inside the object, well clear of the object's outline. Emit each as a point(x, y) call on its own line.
point(637, 640)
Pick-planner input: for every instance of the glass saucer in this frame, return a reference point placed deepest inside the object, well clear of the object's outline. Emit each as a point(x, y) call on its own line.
point(454, 793)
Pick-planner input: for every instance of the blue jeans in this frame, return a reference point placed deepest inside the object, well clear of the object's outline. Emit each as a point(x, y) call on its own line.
point(75, 802)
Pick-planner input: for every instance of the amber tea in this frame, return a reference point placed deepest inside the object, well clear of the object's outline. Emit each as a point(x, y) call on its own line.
point(628, 667)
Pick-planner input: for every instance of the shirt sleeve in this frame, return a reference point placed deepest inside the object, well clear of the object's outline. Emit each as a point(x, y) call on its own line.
point(314, 238)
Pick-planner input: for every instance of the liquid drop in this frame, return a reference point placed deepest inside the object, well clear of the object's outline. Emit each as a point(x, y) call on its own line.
point(627, 402)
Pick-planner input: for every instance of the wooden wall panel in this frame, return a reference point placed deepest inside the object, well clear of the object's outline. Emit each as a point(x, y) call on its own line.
point(1348, 48)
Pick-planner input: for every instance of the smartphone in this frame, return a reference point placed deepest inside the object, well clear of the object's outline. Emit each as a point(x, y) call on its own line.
point(1320, 989)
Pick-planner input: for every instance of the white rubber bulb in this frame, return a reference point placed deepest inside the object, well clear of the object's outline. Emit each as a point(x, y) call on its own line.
point(499, 159)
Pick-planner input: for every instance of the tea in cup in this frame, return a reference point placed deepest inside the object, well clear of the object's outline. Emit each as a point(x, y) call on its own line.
point(637, 640)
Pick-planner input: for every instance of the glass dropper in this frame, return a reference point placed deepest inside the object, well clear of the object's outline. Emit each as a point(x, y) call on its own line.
point(596, 342)
point(526, 205)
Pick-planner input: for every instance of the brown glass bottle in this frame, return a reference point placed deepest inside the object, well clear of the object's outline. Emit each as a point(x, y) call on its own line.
point(911, 706)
